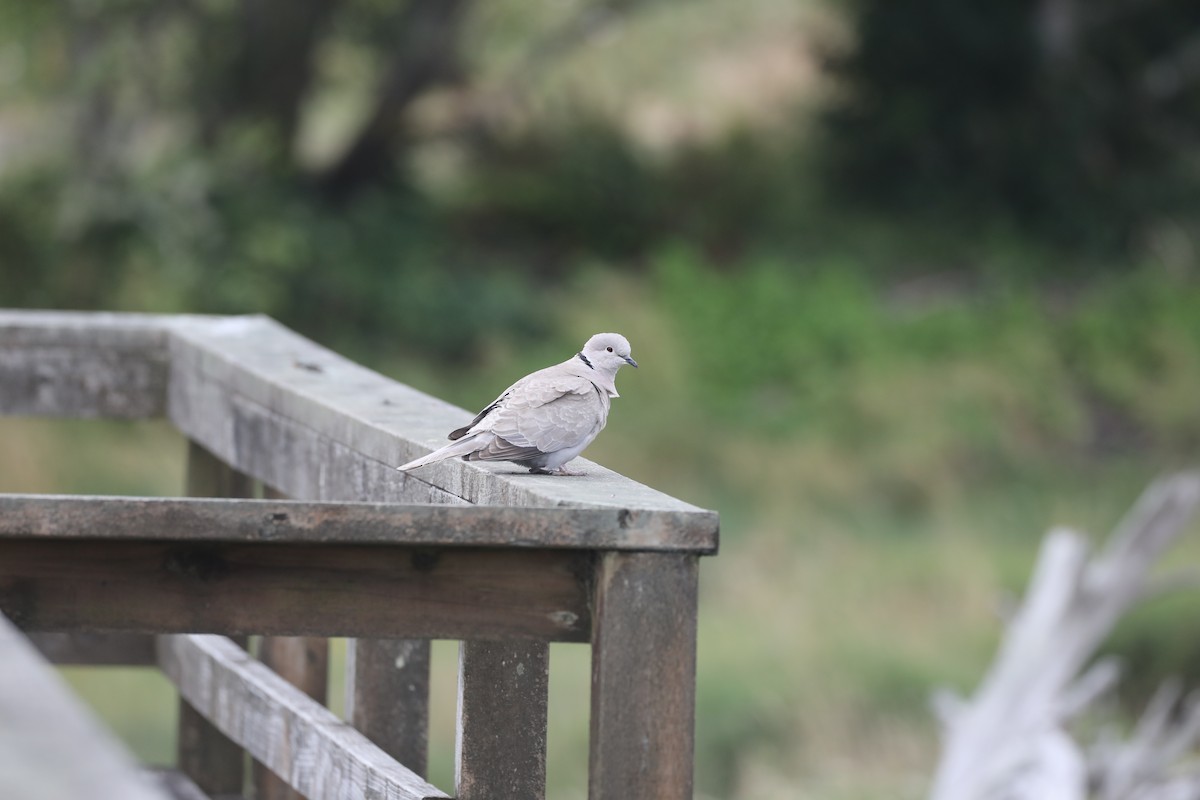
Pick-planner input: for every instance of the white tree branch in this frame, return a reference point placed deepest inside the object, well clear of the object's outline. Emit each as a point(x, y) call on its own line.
point(1009, 741)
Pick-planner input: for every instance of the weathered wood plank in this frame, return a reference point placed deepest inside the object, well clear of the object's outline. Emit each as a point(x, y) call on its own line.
point(643, 677)
point(81, 383)
point(96, 649)
point(302, 661)
point(67, 364)
point(36, 327)
point(222, 367)
point(387, 696)
point(283, 410)
point(301, 462)
point(281, 589)
point(500, 738)
point(282, 727)
point(50, 745)
point(224, 520)
point(250, 383)
point(205, 755)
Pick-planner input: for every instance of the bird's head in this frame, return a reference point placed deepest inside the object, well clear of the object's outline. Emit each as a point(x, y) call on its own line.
point(608, 352)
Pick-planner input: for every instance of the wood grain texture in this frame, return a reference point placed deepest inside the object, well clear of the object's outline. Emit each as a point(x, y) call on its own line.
point(299, 739)
point(50, 745)
point(223, 520)
point(297, 417)
point(387, 696)
point(282, 409)
point(643, 677)
point(302, 661)
point(258, 395)
point(59, 364)
point(281, 589)
point(500, 742)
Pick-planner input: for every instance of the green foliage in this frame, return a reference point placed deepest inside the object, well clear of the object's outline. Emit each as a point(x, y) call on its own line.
point(381, 273)
point(577, 188)
point(1056, 117)
point(928, 394)
point(1155, 643)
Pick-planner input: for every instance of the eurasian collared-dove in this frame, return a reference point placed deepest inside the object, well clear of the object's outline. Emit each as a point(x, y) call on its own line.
point(548, 417)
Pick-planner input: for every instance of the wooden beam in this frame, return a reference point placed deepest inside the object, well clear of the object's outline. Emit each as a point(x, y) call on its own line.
point(387, 696)
point(285, 589)
point(281, 409)
point(50, 745)
point(67, 364)
point(96, 649)
point(225, 520)
point(318, 426)
point(643, 677)
point(500, 738)
point(298, 738)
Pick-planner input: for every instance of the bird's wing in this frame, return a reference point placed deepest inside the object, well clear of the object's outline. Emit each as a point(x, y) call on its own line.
point(548, 412)
point(458, 433)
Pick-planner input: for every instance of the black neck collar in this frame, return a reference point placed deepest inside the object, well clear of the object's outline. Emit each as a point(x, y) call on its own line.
point(584, 359)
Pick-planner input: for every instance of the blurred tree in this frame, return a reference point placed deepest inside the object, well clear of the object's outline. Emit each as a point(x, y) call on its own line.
point(257, 63)
point(1075, 119)
point(181, 179)
point(179, 182)
point(423, 54)
point(227, 70)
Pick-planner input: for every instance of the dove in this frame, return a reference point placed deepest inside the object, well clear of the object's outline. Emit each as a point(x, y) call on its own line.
point(546, 418)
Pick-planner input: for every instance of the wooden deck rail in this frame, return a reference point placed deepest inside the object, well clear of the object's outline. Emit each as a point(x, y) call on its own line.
point(504, 561)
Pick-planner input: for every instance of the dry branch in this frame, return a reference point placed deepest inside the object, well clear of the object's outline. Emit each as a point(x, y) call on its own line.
point(1010, 741)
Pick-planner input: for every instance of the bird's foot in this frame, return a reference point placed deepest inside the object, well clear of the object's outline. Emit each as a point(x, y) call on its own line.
point(560, 471)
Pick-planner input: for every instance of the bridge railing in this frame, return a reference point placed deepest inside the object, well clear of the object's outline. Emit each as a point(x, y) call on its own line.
point(296, 526)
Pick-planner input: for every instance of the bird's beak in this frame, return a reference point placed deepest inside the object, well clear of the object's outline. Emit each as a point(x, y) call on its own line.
point(630, 361)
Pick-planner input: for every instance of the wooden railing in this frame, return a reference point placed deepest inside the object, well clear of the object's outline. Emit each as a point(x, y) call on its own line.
point(504, 561)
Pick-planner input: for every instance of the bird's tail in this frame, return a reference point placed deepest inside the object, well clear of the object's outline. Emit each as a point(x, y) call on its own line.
point(460, 448)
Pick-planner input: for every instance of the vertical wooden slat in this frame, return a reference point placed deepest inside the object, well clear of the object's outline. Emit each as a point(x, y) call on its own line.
point(387, 696)
point(302, 661)
point(643, 677)
point(500, 739)
point(214, 762)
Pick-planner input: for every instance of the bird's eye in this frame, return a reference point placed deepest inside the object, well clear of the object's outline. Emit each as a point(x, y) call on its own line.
point(609, 349)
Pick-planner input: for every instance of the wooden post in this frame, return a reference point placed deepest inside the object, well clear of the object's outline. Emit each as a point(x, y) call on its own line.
point(500, 738)
point(302, 661)
point(643, 676)
point(387, 696)
point(214, 762)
